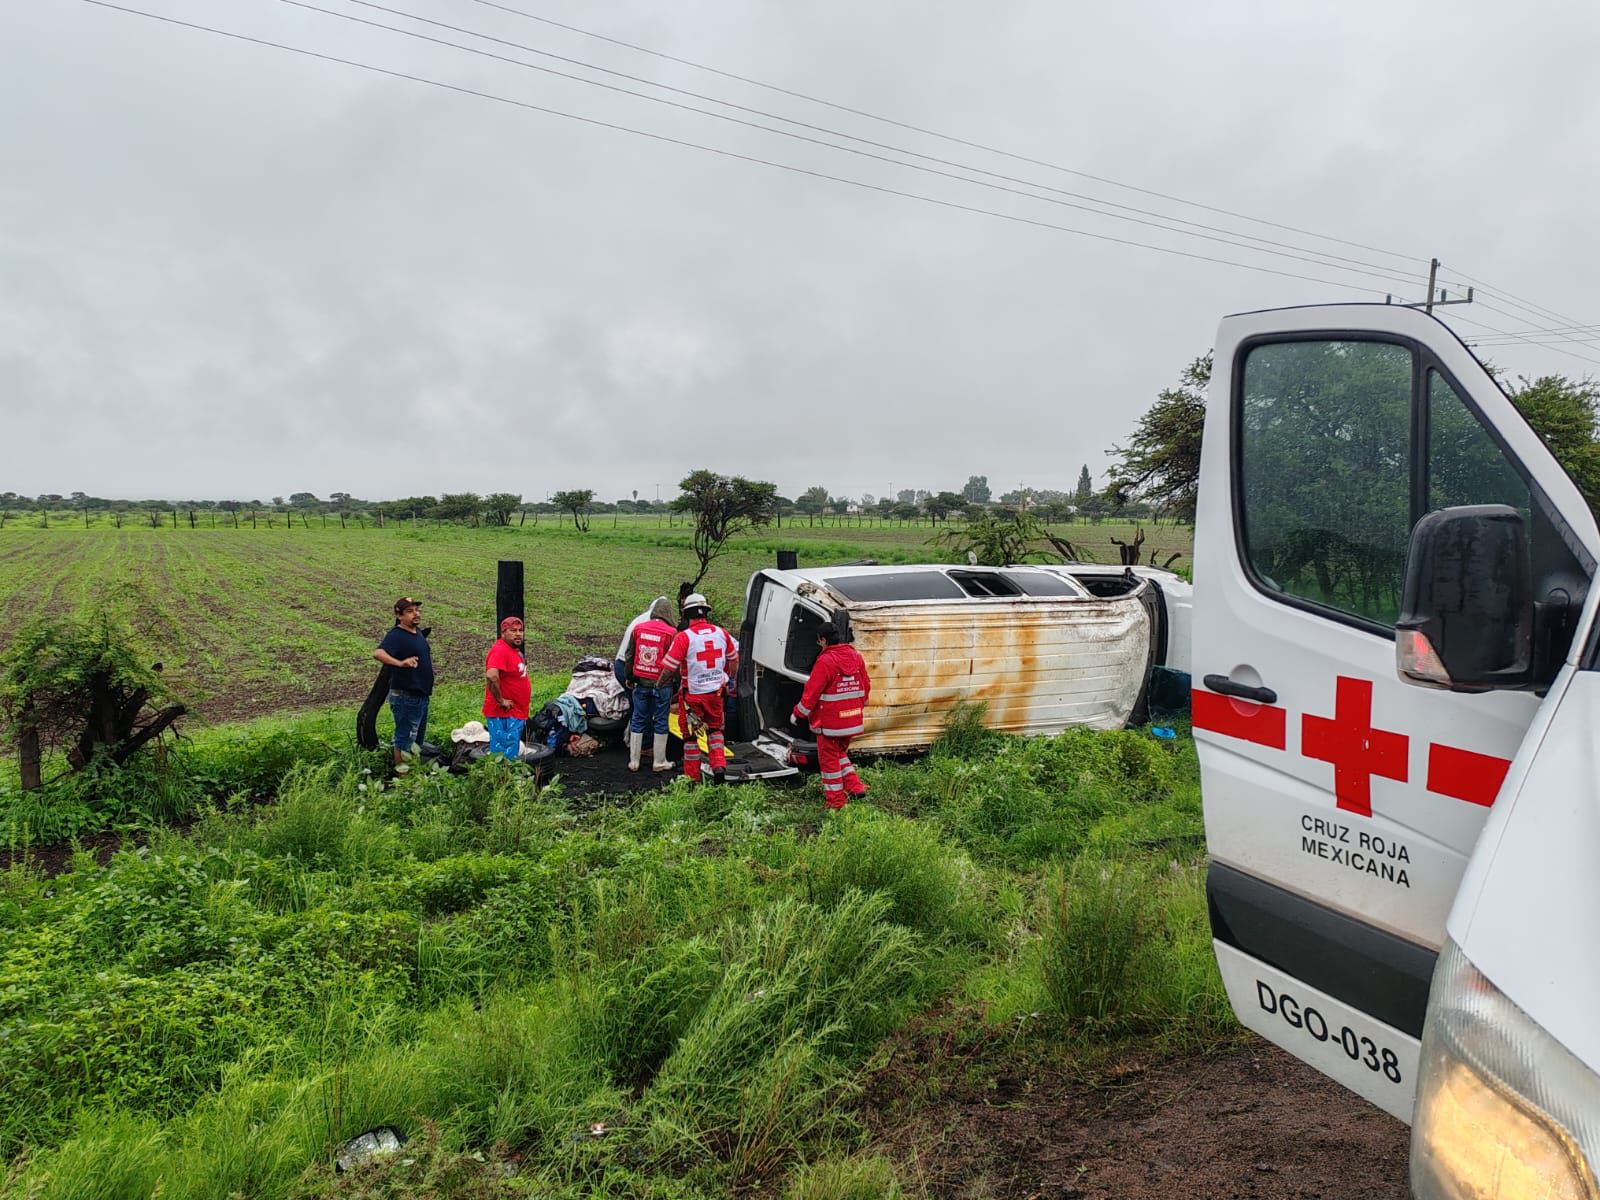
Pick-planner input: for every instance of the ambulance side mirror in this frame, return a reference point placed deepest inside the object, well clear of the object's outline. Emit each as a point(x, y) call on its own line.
point(1466, 618)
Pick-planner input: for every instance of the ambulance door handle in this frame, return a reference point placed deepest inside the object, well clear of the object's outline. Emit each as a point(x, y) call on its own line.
point(1244, 691)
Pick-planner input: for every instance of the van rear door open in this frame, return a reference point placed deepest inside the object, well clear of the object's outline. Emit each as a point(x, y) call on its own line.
point(1341, 803)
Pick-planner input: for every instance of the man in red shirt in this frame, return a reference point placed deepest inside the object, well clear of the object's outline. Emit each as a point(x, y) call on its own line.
point(508, 690)
point(835, 703)
point(644, 653)
point(706, 656)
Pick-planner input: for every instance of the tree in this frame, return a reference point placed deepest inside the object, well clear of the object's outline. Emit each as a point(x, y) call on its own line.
point(977, 489)
point(906, 495)
point(458, 506)
point(941, 506)
point(812, 501)
point(1054, 512)
point(1161, 462)
point(904, 511)
point(302, 500)
point(82, 688)
point(1566, 414)
point(577, 503)
point(410, 506)
point(722, 507)
point(1085, 488)
point(500, 506)
point(995, 538)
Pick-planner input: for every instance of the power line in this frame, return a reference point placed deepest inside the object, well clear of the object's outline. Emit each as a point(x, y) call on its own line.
point(1096, 200)
point(1526, 340)
point(1529, 309)
point(973, 145)
point(731, 154)
point(1372, 270)
point(1556, 336)
point(1547, 313)
point(663, 138)
point(1574, 329)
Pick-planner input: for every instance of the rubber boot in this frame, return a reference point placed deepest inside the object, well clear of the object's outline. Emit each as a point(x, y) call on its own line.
point(635, 748)
point(658, 749)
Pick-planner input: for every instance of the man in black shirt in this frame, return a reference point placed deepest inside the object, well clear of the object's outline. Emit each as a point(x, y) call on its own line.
point(405, 652)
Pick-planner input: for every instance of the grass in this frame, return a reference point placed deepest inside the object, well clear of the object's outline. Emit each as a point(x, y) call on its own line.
point(254, 621)
point(674, 999)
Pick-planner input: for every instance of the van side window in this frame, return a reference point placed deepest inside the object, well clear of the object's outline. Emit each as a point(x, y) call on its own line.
point(1465, 465)
point(985, 583)
point(1324, 472)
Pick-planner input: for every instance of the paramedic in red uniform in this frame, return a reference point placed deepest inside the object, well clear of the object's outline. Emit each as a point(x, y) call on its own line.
point(644, 652)
point(706, 656)
point(835, 703)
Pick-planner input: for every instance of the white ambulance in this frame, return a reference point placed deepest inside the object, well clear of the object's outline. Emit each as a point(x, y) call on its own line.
point(1397, 705)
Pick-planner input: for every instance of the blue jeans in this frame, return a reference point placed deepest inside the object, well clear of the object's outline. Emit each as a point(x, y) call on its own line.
point(651, 706)
point(410, 718)
point(505, 736)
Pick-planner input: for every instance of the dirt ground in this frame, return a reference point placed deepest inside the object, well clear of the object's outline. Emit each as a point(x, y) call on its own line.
point(1249, 1122)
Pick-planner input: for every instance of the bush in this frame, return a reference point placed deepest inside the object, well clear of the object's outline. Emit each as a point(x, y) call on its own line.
point(763, 1066)
point(1126, 948)
point(868, 1178)
point(931, 887)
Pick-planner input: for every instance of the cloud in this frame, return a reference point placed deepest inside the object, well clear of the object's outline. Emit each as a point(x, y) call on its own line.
point(231, 271)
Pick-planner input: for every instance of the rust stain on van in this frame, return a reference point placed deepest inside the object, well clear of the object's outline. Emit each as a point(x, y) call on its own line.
point(1037, 665)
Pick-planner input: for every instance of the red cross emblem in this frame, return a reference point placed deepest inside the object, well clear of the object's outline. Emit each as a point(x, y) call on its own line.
point(710, 653)
point(1356, 750)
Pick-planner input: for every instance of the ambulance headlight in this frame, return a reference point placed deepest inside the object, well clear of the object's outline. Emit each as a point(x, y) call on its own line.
point(1503, 1110)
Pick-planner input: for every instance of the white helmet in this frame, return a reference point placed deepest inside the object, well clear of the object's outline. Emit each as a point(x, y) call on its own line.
point(695, 600)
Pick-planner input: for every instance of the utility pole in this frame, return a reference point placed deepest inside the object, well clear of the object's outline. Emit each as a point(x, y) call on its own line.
point(1436, 297)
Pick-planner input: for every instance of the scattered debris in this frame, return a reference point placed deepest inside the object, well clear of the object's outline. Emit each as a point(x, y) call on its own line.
point(385, 1139)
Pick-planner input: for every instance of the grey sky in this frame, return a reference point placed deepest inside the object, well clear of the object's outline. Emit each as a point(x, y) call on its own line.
point(227, 270)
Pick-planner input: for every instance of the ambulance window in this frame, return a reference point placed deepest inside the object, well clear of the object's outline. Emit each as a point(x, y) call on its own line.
point(1324, 472)
point(1465, 465)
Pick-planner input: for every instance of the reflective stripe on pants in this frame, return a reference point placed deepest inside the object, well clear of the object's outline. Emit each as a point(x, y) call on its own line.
point(839, 780)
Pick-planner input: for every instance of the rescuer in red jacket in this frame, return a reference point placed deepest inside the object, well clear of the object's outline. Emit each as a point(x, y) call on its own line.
point(835, 703)
point(706, 656)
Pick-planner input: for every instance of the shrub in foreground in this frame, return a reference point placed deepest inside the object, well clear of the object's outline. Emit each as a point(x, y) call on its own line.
point(1126, 948)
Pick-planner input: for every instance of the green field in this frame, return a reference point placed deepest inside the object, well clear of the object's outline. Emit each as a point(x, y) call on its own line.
point(250, 621)
point(679, 996)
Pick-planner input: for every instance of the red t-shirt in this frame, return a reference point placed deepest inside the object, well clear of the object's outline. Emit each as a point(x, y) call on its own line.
point(515, 685)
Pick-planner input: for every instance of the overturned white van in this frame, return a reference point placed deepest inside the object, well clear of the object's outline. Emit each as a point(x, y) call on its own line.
point(1042, 647)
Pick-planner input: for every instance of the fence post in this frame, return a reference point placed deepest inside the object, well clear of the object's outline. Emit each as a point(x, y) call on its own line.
point(508, 593)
